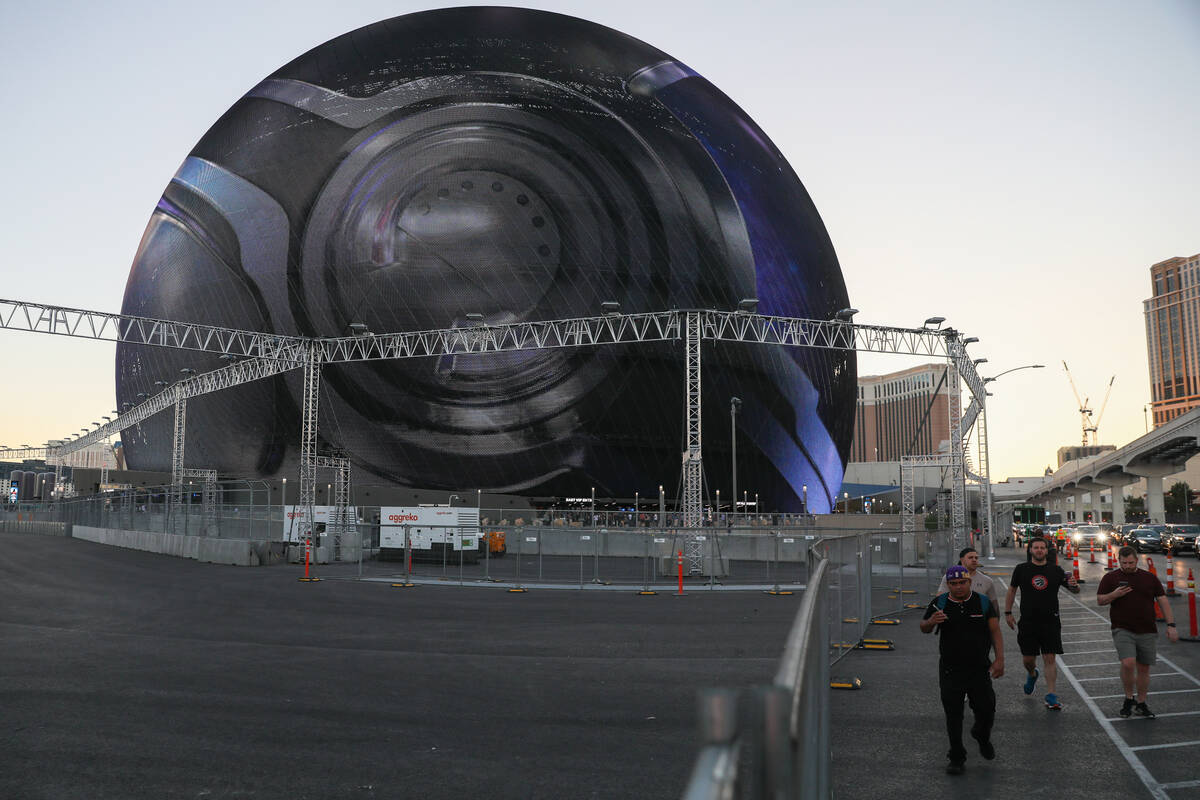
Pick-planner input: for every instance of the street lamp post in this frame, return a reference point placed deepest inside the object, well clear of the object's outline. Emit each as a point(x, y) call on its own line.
point(991, 533)
point(662, 505)
point(734, 404)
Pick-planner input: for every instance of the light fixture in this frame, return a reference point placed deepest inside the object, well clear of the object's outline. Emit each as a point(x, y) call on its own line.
point(358, 329)
point(970, 340)
point(845, 314)
point(188, 371)
point(475, 318)
point(748, 305)
point(934, 321)
point(610, 307)
point(979, 361)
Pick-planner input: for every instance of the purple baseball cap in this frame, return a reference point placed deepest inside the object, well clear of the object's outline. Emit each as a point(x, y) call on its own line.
point(956, 572)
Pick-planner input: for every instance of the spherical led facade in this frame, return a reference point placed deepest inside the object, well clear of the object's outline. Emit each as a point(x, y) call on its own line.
point(518, 165)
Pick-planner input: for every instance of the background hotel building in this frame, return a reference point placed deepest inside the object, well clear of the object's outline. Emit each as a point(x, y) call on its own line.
point(1173, 337)
point(902, 413)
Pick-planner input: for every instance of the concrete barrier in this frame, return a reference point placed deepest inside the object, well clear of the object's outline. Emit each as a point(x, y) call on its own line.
point(239, 552)
point(35, 527)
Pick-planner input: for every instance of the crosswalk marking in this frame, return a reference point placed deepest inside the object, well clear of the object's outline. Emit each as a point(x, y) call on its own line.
point(1130, 753)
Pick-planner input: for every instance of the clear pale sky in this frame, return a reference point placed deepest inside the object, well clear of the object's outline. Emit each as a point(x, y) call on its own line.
point(1015, 167)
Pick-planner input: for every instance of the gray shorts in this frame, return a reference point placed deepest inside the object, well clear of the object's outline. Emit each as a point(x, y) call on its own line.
point(1140, 646)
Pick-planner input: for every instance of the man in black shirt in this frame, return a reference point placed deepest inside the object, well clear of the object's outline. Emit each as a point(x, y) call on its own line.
point(1040, 629)
point(968, 628)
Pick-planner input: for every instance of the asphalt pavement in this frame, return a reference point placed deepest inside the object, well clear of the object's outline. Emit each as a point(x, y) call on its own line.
point(132, 675)
point(889, 739)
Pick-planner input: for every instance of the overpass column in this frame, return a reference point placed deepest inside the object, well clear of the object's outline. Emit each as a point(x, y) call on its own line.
point(1154, 473)
point(1155, 507)
point(1117, 483)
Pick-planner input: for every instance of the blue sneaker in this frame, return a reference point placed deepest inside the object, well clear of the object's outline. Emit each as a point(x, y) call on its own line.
point(1031, 681)
point(1052, 702)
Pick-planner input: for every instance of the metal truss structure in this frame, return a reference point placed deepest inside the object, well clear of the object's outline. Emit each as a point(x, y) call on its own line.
point(208, 495)
point(272, 354)
point(340, 521)
point(62, 321)
point(693, 464)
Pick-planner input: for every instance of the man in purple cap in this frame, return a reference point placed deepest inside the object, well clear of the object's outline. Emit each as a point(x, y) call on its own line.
point(969, 629)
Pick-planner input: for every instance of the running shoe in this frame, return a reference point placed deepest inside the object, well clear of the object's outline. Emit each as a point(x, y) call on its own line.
point(1143, 710)
point(1052, 702)
point(1127, 707)
point(1031, 681)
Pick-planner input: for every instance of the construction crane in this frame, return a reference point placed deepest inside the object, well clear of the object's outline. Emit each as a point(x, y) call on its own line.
point(1088, 423)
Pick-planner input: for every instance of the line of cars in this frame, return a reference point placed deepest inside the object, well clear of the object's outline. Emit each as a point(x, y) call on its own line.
point(1144, 537)
point(1158, 538)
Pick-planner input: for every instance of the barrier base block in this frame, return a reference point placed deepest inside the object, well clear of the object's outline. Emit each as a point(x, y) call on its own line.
point(516, 590)
point(885, 622)
point(403, 585)
point(778, 592)
point(876, 644)
point(308, 580)
point(646, 593)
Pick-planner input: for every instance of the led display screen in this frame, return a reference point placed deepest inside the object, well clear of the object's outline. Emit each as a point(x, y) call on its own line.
point(511, 165)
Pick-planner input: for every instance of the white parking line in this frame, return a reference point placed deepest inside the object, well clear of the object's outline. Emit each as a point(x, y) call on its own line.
point(1157, 716)
point(1156, 789)
point(1181, 785)
point(1165, 746)
point(1095, 664)
point(1157, 692)
point(1110, 677)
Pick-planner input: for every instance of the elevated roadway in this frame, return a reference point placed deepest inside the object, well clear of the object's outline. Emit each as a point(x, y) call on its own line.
point(1164, 451)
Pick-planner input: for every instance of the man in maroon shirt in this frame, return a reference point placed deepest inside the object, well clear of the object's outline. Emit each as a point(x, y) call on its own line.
point(1132, 593)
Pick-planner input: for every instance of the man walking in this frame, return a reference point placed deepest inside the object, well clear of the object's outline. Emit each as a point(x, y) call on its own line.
point(968, 628)
point(980, 582)
point(1132, 593)
point(1040, 629)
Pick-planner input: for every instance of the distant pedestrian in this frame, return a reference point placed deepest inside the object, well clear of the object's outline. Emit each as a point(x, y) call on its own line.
point(968, 630)
point(1132, 593)
point(1040, 629)
point(969, 558)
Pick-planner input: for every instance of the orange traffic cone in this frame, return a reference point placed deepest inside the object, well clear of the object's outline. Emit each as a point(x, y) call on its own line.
point(1092, 551)
point(1075, 568)
point(1195, 635)
point(1171, 577)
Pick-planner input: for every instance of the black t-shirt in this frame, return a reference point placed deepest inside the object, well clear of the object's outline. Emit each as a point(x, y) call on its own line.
point(965, 638)
point(1039, 587)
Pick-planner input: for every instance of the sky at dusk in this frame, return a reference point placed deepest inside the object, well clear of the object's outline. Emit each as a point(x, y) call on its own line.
point(1015, 167)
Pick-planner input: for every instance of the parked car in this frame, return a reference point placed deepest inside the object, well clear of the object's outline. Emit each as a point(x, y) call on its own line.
point(1181, 538)
point(1146, 540)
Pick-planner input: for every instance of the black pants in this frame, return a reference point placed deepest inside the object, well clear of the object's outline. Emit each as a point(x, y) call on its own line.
point(976, 686)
